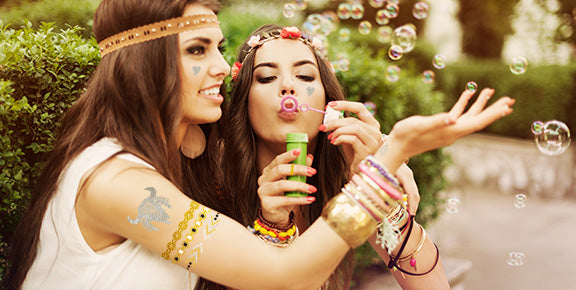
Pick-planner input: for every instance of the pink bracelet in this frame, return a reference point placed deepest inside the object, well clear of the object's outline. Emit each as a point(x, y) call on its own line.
point(393, 192)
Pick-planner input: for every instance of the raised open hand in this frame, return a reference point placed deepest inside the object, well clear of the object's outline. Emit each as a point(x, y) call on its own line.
point(418, 134)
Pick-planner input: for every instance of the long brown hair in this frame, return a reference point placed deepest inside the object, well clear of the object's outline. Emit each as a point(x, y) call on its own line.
point(240, 156)
point(133, 96)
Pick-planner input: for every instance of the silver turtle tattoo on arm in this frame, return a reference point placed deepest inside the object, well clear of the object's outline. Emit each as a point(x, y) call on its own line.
point(151, 210)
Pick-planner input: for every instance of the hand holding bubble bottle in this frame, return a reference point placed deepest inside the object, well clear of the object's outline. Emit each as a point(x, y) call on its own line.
point(300, 140)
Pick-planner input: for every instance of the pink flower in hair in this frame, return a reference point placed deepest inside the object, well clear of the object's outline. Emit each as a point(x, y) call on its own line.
point(236, 70)
point(291, 32)
point(254, 41)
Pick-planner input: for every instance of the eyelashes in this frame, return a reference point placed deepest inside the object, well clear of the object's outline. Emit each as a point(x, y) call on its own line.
point(269, 79)
point(201, 50)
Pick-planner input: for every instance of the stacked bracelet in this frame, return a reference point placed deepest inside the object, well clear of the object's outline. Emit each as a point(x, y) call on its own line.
point(393, 263)
point(349, 220)
point(273, 234)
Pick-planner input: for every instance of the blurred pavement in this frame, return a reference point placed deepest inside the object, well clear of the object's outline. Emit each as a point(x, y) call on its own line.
point(476, 240)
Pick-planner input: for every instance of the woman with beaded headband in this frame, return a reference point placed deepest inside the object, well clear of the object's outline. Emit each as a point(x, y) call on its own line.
point(276, 62)
point(127, 198)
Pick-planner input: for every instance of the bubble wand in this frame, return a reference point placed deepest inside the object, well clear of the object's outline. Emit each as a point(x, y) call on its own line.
point(289, 104)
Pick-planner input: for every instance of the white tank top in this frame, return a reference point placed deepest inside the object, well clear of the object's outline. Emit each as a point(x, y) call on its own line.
point(65, 261)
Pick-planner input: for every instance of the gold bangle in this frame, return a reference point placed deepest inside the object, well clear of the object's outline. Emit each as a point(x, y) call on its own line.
point(348, 220)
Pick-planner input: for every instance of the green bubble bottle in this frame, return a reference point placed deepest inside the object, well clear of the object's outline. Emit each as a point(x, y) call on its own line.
point(297, 141)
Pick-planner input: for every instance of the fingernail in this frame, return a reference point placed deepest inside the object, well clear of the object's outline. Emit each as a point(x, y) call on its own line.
point(322, 127)
point(333, 141)
point(296, 152)
point(310, 171)
point(310, 199)
point(332, 104)
point(330, 136)
point(312, 189)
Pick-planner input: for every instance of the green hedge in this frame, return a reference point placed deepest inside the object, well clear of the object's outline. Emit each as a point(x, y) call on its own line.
point(43, 71)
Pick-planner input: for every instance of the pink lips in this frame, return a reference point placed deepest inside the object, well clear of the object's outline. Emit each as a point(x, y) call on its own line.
point(287, 115)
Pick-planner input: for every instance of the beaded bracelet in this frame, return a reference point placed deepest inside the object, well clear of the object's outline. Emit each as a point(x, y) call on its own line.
point(371, 161)
point(273, 234)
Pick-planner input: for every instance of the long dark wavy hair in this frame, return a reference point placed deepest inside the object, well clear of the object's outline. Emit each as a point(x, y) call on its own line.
point(240, 155)
point(133, 96)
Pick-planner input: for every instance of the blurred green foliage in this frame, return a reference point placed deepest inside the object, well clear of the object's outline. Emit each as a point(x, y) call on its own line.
point(64, 13)
point(543, 92)
point(42, 72)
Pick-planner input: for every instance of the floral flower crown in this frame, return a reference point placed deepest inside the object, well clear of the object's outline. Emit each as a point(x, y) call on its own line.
point(290, 32)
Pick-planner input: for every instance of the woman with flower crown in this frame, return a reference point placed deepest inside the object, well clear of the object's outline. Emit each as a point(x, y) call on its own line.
point(127, 199)
point(276, 64)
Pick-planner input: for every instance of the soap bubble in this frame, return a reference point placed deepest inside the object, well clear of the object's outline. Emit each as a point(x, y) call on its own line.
point(471, 86)
point(428, 76)
point(357, 11)
point(377, 3)
point(392, 10)
point(381, 17)
point(301, 4)
point(452, 205)
point(520, 201)
point(317, 24)
point(519, 65)
point(371, 107)
point(344, 34)
point(343, 63)
point(439, 61)
point(420, 10)
point(395, 52)
point(289, 10)
point(344, 10)
point(385, 34)
point(537, 127)
point(515, 259)
point(393, 73)
point(554, 138)
point(405, 37)
point(364, 27)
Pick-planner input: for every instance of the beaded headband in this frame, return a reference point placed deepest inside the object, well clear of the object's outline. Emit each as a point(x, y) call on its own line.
point(290, 32)
point(156, 30)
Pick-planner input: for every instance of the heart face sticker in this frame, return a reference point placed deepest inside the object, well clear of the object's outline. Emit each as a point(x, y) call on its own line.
point(196, 70)
point(310, 90)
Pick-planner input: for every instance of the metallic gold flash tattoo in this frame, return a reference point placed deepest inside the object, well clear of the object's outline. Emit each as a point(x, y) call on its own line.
point(150, 210)
point(197, 250)
point(181, 227)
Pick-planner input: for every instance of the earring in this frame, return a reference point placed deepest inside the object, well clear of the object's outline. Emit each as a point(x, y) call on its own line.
point(194, 142)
